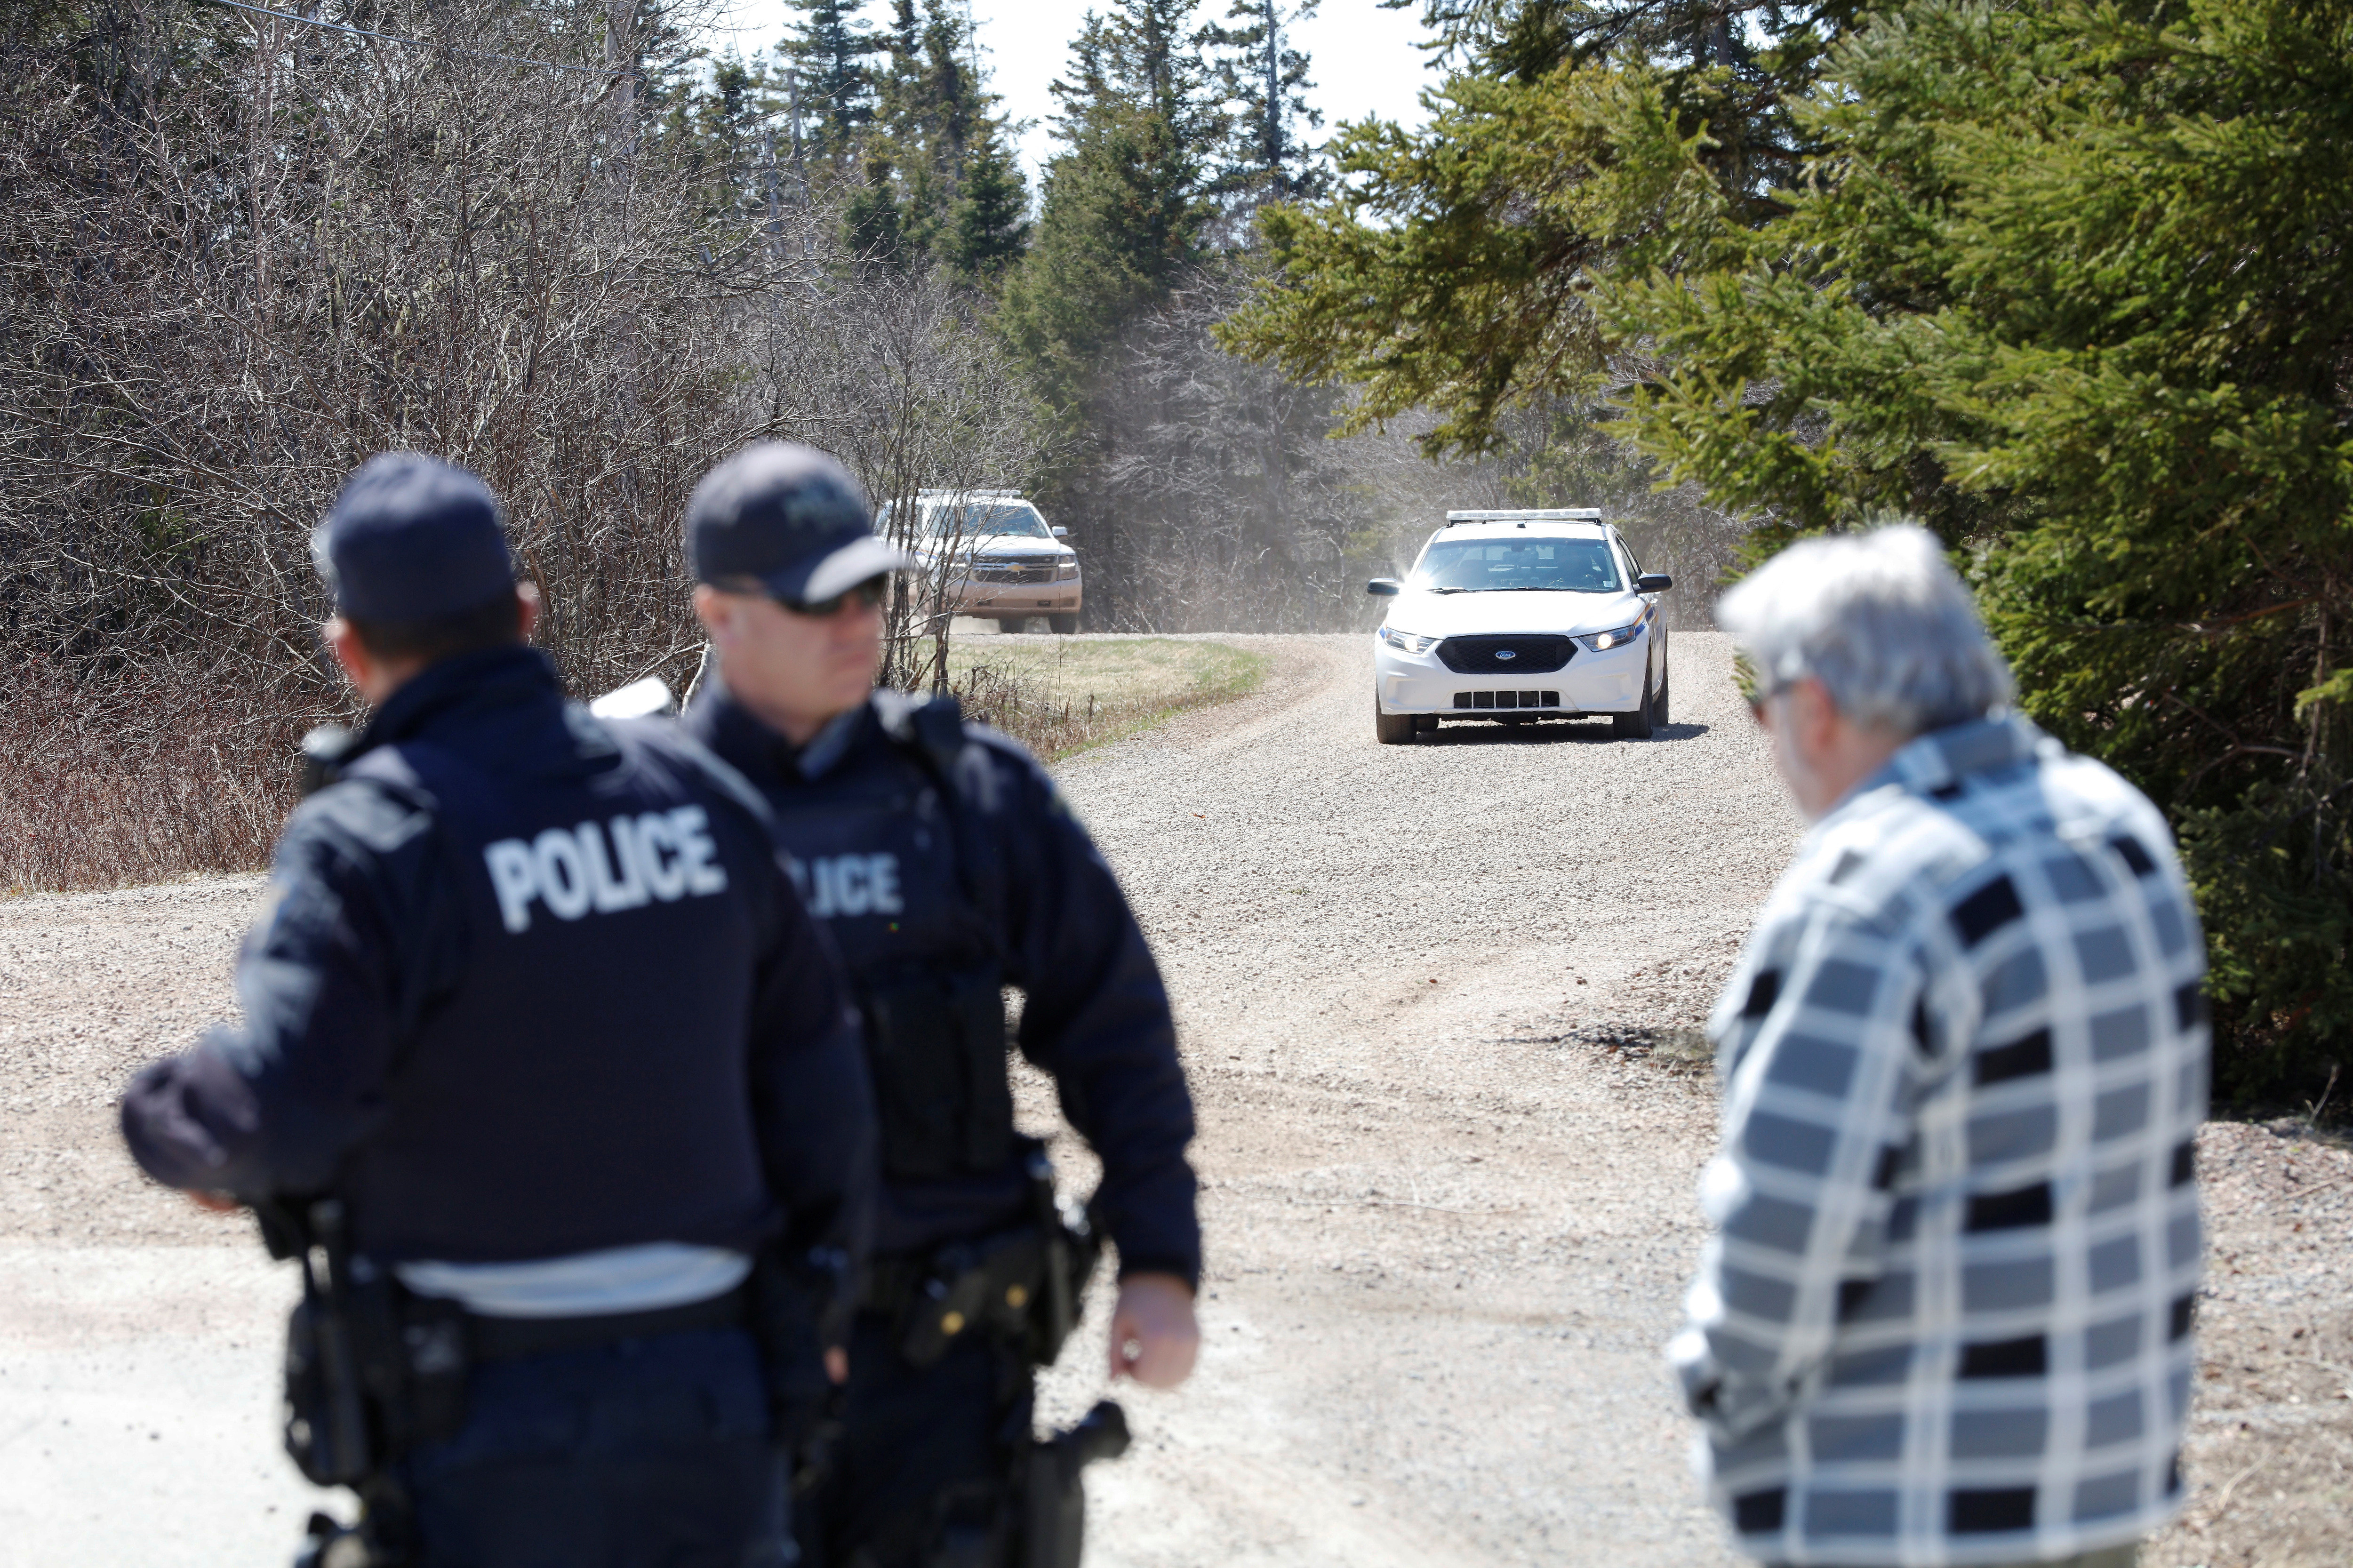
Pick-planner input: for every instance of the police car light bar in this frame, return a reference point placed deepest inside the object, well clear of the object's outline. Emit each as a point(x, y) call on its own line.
point(1544, 514)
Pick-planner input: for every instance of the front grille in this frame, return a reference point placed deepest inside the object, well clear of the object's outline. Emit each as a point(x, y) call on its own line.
point(1010, 572)
point(1505, 655)
point(1507, 699)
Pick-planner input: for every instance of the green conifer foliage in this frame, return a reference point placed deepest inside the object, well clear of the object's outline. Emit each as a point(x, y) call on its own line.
point(1452, 266)
point(2068, 281)
point(2072, 282)
point(1126, 203)
point(828, 49)
point(988, 228)
point(1264, 77)
point(935, 178)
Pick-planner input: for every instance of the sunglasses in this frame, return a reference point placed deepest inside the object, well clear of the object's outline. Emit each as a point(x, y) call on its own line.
point(866, 595)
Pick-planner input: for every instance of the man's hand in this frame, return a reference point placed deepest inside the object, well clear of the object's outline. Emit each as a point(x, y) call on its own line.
point(1154, 1338)
point(214, 1203)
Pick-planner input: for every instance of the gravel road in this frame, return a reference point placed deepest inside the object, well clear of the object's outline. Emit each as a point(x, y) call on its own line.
point(1435, 1001)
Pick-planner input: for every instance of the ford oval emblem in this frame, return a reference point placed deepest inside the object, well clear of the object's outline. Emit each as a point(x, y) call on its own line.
point(1506, 653)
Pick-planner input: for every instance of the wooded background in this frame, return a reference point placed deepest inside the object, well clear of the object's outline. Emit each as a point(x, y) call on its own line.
point(2066, 281)
point(558, 242)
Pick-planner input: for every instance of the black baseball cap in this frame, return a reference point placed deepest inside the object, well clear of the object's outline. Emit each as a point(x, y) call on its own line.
point(789, 518)
point(412, 539)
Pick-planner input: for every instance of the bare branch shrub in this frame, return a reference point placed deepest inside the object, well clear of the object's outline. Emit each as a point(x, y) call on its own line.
point(890, 369)
point(237, 256)
point(1219, 500)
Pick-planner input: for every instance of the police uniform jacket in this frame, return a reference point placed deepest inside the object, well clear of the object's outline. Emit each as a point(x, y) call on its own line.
point(949, 865)
point(528, 984)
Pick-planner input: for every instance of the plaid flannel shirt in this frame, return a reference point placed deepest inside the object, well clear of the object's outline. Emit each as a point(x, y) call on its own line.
point(1945, 1314)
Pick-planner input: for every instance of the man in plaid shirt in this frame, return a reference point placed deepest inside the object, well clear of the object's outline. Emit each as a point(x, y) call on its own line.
point(1944, 1317)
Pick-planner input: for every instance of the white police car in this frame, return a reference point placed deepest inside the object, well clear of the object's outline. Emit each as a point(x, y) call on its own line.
point(1509, 616)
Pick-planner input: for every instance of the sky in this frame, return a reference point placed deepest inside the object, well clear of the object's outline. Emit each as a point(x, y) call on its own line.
point(1362, 58)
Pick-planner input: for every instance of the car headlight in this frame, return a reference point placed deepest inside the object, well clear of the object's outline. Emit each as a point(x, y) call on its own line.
point(1406, 641)
point(1617, 637)
point(1068, 571)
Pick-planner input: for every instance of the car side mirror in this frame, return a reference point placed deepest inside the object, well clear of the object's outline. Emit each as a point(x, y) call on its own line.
point(1384, 587)
point(1653, 583)
point(1062, 534)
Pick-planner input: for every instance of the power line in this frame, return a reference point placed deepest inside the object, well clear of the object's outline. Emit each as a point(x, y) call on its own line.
point(419, 43)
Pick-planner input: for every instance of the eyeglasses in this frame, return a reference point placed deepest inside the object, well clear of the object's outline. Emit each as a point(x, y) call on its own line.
point(1757, 699)
point(868, 594)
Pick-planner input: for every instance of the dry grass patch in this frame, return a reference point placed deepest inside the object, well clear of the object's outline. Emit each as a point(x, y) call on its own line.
point(1059, 696)
point(144, 778)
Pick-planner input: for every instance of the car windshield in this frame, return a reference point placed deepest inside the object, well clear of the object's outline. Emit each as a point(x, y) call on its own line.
point(1470, 566)
point(976, 520)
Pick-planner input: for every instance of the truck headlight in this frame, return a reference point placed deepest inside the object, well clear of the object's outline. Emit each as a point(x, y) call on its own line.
point(1068, 572)
point(1617, 637)
point(1406, 642)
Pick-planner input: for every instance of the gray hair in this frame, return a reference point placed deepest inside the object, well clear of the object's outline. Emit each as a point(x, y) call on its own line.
point(1880, 619)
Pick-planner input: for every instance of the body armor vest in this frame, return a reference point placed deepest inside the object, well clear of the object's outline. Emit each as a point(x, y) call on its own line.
point(583, 1086)
point(894, 861)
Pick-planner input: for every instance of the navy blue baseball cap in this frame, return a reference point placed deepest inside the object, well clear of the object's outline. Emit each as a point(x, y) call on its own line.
point(789, 518)
point(412, 539)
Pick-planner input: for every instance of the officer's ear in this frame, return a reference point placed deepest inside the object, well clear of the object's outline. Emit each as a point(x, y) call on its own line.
point(352, 656)
point(715, 610)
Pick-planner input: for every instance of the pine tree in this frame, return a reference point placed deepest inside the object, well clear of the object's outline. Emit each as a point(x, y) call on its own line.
point(1454, 267)
point(1126, 205)
point(827, 50)
point(2069, 283)
point(989, 229)
point(935, 180)
point(1268, 157)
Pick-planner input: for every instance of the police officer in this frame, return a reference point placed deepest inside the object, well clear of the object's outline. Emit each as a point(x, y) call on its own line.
point(536, 1030)
point(948, 868)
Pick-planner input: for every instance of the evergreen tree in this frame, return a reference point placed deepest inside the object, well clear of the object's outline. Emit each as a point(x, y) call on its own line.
point(931, 93)
point(935, 178)
point(1126, 207)
point(873, 220)
point(1265, 78)
point(1453, 267)
point(828, 51)
point(726, 132)
point(2071, 282)
point(1126, 217)
point(988, 228)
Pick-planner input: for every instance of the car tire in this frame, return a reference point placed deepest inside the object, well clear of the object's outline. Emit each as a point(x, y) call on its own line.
point(1659, 705)
point(1012, 623)
point(1063, 625)
point(1637, 725)
point(1391, 729)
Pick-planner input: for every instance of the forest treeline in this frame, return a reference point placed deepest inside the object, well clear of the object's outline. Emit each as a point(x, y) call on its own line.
point(2065, 280)
point(244, 247)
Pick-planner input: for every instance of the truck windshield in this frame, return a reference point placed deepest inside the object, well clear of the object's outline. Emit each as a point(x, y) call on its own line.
point(1472, 565)
point(977, 520)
